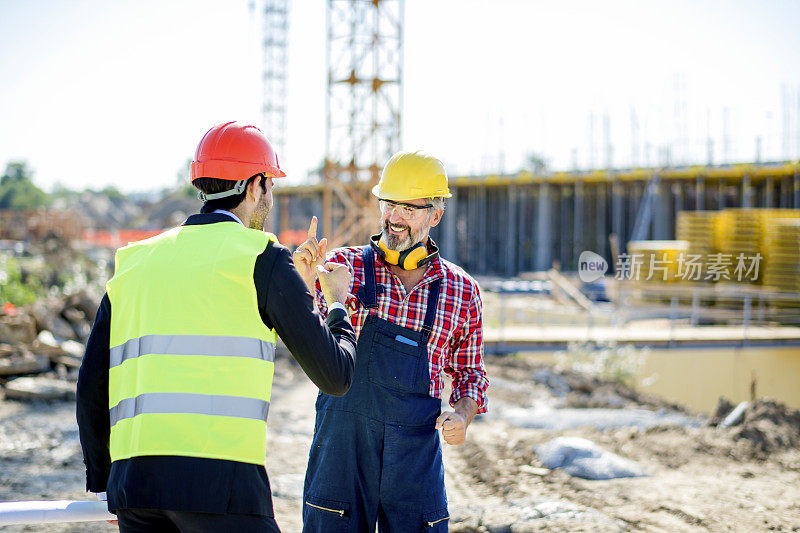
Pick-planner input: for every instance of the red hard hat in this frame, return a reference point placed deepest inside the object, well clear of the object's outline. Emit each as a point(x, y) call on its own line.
point(234, 151)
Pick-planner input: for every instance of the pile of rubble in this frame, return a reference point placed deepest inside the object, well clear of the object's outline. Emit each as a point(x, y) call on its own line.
point(41, 346)
point(581, 390)
point(764, 425)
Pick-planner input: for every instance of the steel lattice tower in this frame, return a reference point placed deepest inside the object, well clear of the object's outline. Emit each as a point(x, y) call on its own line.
point(275, 35)
point(364, 103)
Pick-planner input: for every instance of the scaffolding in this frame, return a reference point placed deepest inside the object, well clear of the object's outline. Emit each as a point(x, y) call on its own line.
point(275, 43)
point(364, 103)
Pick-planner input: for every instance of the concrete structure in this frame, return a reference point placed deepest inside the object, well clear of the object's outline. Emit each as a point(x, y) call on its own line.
point(504, 225)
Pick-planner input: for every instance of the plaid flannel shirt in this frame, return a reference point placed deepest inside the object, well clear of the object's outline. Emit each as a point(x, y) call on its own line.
point(456, 343)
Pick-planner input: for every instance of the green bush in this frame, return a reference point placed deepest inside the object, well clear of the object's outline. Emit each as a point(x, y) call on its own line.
point(17, 286)
point(17, 191)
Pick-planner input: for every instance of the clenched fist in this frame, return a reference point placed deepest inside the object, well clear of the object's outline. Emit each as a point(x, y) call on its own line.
point(453, 426)
point(334, 279)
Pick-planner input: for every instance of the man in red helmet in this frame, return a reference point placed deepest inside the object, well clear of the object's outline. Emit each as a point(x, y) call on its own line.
point(174, 389)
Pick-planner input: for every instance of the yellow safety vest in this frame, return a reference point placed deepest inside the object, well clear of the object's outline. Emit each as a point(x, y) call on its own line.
point(191, 361)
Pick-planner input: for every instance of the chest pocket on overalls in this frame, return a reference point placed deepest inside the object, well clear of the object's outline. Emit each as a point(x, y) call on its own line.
point(397, 364)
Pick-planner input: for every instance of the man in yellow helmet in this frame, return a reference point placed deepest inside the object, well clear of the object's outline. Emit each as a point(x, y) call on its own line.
point(174, 389)
point(376, 455)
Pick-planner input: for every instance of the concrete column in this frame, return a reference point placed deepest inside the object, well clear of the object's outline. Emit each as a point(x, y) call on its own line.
point(564, 248)
point(617, 215)
point(578, 220)
point(316, 210)
point(523, 229)
point(661, 212)
point(601, 220)
point(512, 229)
point(274, 217)
point(769, 191)
point(481, 233)
point(796, 194)
point(784, 198)
point(284, 220)
point(544, 236)
point(747, 192)
point(468, 248)
point(721, 204)
point(472, 250)
point(449, 247)
point(677, 195)
point(700, 194)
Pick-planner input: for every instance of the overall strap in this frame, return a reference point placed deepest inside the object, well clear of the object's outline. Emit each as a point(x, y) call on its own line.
point(370, 290)
point(430, 312)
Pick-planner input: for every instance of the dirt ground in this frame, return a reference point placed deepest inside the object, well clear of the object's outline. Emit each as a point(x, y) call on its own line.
point(701, 478)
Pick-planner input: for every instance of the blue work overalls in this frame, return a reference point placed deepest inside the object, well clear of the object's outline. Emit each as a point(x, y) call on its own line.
point(376, 455)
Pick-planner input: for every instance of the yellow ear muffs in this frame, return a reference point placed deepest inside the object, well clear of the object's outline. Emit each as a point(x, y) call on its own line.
point(413, 257)
point(410, 259)
point(390, 256)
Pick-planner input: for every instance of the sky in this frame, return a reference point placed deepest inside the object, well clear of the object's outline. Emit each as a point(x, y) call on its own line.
point(118, 92)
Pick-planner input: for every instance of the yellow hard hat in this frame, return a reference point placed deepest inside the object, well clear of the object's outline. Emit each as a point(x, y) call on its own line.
point(412, 175)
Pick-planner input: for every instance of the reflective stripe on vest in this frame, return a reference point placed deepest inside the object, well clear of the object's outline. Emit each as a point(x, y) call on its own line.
point(200, 404)
point(192, 345)
point(191, 362)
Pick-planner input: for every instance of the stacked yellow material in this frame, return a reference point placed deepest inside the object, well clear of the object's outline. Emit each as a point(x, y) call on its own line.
point(740, 236)
point(782, 254)
point(697, 228)
point(656, 260)
point(741, 230)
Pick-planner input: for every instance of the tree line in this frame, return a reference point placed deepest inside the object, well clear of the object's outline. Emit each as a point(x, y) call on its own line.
point(18, 191)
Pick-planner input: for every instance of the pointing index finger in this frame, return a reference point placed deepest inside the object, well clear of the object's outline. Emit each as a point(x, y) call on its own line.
point(312, 228)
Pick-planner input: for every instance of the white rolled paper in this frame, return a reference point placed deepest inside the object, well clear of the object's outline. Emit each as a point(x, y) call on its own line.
point(45, 512)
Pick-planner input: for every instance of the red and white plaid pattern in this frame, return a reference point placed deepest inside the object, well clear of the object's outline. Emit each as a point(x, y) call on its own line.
point(456, 344)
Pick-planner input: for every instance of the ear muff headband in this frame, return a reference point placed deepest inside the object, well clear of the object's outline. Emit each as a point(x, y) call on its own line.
point(410, 259)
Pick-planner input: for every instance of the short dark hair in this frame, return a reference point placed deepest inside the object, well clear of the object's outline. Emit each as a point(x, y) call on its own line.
point(214, 185)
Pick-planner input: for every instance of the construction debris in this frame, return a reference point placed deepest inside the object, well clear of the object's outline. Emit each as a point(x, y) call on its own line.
point(583, 458)
point(20, 360)
point(17, 329)
point(43, 354)
point(39, 388)
point(585, 390)
point(67, 318)
point(49, 334)
point(764, 425)
point(736, 415)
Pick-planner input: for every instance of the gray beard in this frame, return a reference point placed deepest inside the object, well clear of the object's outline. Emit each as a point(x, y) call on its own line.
point(401, 244)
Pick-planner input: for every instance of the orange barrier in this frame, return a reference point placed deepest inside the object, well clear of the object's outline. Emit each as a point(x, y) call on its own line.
point(291, 237)
point(117, 238)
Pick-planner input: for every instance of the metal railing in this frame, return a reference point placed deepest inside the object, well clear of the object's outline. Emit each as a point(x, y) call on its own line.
point(738, 314)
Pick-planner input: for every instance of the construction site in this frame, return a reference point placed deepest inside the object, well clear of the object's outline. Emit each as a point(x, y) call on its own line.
point(641, 326)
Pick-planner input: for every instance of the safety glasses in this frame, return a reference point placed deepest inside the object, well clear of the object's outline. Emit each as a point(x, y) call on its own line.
point(403, 209)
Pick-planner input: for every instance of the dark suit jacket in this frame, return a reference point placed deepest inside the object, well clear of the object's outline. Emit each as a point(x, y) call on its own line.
point(326, 352)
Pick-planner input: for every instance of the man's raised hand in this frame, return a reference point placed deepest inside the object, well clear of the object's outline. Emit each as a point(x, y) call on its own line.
point(309, 255)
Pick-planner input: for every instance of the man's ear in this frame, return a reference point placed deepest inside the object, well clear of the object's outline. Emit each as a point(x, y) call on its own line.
point(436, 218)
point(253, 186)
